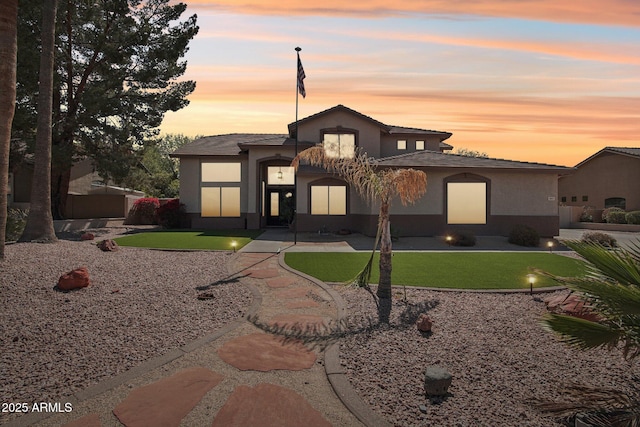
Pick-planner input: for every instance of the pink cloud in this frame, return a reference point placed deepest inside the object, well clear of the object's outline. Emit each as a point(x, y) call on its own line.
point(611, 12)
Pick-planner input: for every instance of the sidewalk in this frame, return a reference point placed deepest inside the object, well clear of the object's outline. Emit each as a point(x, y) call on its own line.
point(239, 376)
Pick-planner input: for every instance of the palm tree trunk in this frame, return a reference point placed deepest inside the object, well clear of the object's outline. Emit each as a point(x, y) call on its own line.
point(384, 285)
point(8, 59)
point(40, 221)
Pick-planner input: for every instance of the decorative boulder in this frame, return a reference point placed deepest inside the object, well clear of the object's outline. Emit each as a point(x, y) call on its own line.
point(436, 381)
point(75, 279)
point(424, 323)
point(108, 245)
point(87, 236)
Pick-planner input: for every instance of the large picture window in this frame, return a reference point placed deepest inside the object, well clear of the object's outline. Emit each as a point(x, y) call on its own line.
point(466, 203)
point(328, 200)
point(220, 201)
point(217, 197)
point(342, 145)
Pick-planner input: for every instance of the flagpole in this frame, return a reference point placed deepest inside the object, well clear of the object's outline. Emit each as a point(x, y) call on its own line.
point(295, 176)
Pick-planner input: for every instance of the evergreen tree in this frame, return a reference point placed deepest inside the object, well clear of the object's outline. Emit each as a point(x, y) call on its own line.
point(116, 74)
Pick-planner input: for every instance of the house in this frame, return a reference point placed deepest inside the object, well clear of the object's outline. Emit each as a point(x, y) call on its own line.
point(610, 177)
point(246, 181)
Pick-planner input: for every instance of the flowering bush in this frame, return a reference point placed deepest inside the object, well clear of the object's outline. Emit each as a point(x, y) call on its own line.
point(170, 214)
point(144, 210)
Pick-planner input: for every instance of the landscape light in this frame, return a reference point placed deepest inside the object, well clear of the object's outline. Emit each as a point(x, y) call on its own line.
point(531, 278)
point(550, 245)
point(448, 239)
point(233, 245)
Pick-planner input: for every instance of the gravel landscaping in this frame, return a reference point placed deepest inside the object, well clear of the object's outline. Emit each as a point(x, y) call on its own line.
point(141, 303)
point(493, 346)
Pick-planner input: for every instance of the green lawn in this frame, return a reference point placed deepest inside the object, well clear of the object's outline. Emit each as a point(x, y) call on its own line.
point(471, 270)
point(189, 239)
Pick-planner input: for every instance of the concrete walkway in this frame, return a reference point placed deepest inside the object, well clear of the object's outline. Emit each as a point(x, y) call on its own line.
point(238, 376)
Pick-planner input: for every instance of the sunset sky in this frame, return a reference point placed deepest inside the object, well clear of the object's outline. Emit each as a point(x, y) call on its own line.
point(545, 80)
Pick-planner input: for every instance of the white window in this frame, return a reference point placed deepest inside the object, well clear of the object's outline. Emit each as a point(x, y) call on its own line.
point(402, 144)
point(342, 145)
point(220, 201)
point(466, 203)
point(328, 200)
point(419, 145)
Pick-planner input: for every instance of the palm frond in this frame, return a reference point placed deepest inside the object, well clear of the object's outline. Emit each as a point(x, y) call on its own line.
point(619, 265)
point(582, 333)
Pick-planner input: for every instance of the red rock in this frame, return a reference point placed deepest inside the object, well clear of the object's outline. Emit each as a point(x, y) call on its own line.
point(87, 236)
point(167, 401)
point(264, 352)
point(108, 245)
point(75, 279)
point(572, 305)
point(424, 323)
point(268, 405)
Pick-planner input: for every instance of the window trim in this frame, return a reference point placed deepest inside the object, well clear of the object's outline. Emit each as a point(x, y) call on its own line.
point(401, 144)
point(423, 145)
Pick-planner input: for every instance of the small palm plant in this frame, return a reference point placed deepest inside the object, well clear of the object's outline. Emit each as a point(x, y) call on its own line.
point(611, 290)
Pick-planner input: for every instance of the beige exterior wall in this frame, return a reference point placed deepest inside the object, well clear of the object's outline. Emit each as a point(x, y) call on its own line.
point(523, 193)
point(190, 183)
point(368, 134)
point(605, 176)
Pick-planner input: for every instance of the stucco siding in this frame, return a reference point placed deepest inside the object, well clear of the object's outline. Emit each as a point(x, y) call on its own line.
point(389, 143)
point(190, 183)
point(368, 134)
point(528, 194)
point(605, 176)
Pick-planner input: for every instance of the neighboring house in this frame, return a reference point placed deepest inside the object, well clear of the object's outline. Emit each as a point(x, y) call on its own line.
point(610, 177)
point(245, 181)
point(88, 196)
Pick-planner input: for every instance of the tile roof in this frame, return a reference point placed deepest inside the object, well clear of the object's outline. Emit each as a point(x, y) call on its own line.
point(436, 159)
point(228, 145)
point(415, 131)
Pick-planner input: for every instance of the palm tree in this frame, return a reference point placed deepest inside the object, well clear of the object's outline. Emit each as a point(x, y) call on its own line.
point(8, 59)
point(39, 225)
point(374, 185)
point(611, 290)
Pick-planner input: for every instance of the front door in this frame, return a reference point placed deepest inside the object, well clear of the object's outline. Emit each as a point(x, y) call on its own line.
point(280, 203)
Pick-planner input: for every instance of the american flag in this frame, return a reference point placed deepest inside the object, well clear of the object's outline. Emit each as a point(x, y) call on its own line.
point(301, 77)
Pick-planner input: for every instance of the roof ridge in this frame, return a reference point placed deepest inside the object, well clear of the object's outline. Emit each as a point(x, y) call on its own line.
point(468, 157)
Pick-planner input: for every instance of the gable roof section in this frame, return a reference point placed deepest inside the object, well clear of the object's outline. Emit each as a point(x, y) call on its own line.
point(436, 159)
point(228, 145)
point(385, 128)
point(625, 151)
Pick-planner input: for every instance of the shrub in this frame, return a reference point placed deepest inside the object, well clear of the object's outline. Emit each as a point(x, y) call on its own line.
point(599, 237)
point(523, 235)
point(614, 215)
point(586, 215)
point(144, 210)
point(16, 221)
point(171, 213)
point(463, 238)
point(633, 217)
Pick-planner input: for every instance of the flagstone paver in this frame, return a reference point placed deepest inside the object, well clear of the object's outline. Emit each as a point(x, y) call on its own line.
point(167, 401)
point(265, 352)
point(90, 420)
point(264, 273)
point(293, 293)
point(298, 321)
point(303, 303)
point(268, 405)
point(280, 282)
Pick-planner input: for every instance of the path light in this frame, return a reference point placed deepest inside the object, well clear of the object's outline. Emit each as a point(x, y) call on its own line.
point(550, 246)
point(449, 239)
point(532, 279)
point(234, 244)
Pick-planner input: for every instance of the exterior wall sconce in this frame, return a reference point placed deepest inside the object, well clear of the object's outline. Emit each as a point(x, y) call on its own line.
point(532, 279)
